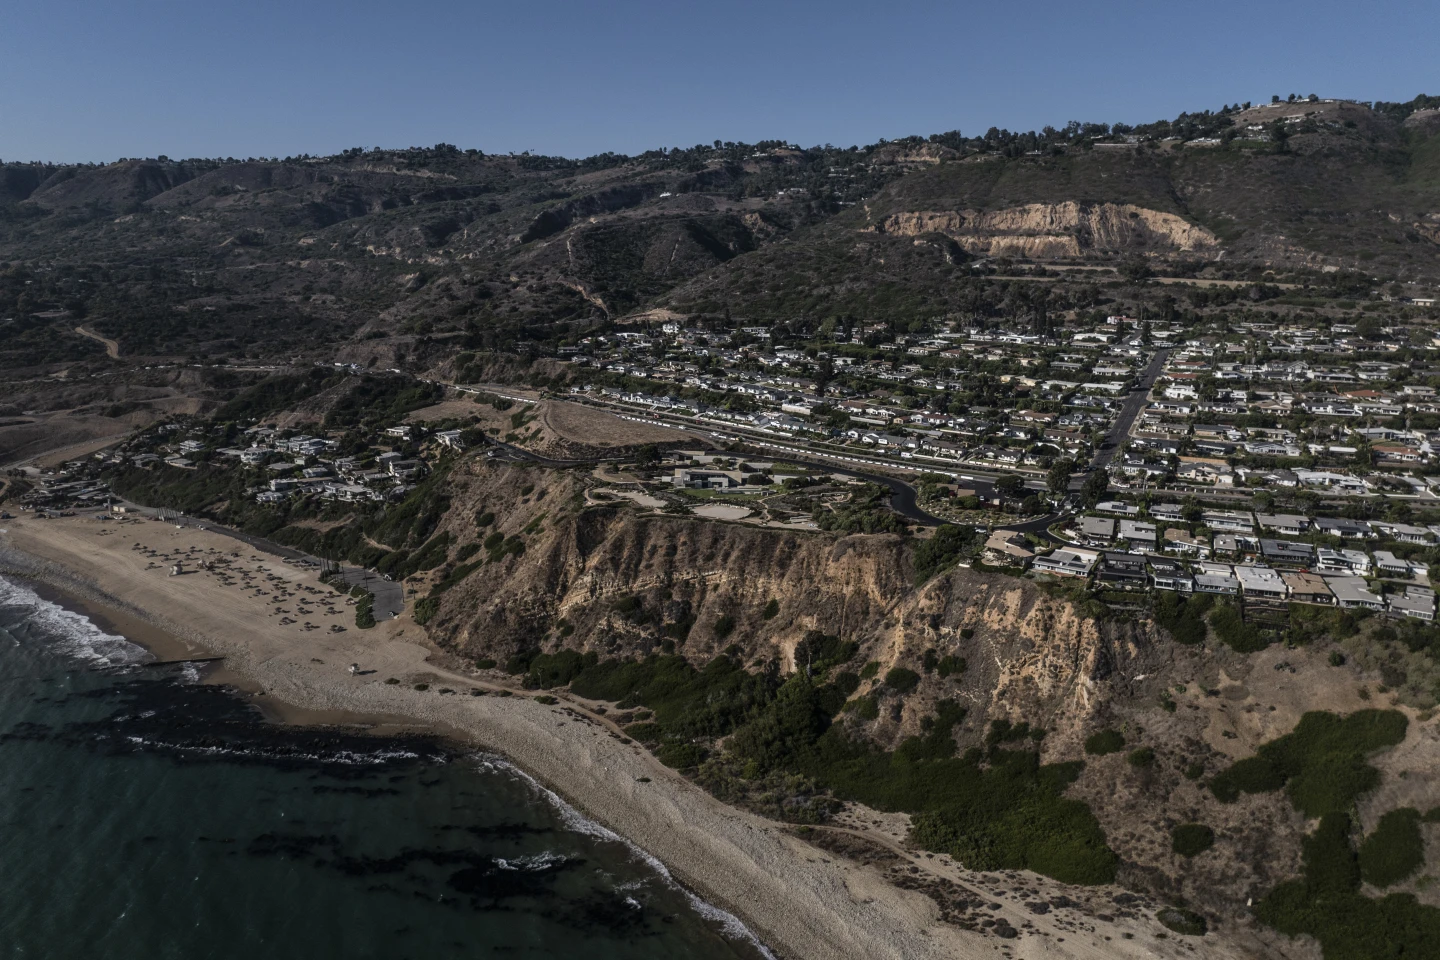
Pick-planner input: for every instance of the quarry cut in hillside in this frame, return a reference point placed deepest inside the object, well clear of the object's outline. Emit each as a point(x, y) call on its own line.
point(1069, 229)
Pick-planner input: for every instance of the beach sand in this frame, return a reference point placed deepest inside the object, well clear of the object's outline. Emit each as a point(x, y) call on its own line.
point(800, 900)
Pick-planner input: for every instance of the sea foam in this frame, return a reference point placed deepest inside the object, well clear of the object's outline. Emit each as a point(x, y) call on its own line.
point(72, 634)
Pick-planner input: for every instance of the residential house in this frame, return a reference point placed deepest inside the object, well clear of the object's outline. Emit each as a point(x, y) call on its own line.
point(1389, 565)
point(1285, 524)
point(1139, 537)
point(1261, 583)
point(1123, 569)
point(1354, 593)
point(1345, 562)
point(1067, 562)
point(1307, 588)
point(1007, 548)
point(1229, 521)
point(1096, 531)
point(1169, 575)
point(1287, 552)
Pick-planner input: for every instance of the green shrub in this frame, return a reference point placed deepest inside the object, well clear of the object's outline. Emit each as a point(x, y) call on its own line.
point(681, 756)
point(1191, 839)
point(946, 547)
point(1321, 763)
point(365, 612)
point(647, 731)
point(547, 700)
point(724, 626)
point(519, 662)
point(870, 670)
point(901, 680)
point(1143, 757)
point(951, 665)
point(1394, 850)
point(1337, 659)
point(425, 609)
point(866, 708)
point(772, 610)
point(1103, 742)
point(557, 669)
point(484, 519)
point(1183, 617)
point(1232, 630)
point(1182, 921)
point(1325, 902)
point(485, 663)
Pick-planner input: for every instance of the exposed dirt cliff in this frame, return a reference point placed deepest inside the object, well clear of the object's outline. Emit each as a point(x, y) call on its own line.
point(1057, 230)
point(624, 584)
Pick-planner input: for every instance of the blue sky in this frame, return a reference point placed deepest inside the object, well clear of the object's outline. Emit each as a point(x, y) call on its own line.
point(101, 79)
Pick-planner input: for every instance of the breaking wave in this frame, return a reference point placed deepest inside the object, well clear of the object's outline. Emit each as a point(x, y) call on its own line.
point(70, 633)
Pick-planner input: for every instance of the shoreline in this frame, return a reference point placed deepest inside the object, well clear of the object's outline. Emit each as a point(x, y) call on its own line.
point(116, 617)
point(113, 619)
point(794, 898)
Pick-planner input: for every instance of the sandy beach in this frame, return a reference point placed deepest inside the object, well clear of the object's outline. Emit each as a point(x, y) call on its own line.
point(275, 626)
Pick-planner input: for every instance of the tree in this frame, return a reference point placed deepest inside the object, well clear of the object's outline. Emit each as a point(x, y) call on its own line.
point(1058, 479)
point(1095, 488)
point(1009, 486)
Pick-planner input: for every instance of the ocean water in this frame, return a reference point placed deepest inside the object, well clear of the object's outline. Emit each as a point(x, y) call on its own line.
point(144, 814)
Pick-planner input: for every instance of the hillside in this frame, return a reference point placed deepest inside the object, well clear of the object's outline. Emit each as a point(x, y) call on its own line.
point(270, 257)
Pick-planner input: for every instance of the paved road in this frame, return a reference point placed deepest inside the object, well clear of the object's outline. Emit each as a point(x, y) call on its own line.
point(1129, 410)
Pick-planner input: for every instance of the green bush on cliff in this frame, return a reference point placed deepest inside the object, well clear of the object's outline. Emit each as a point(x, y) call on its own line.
point(1325, 902)
point(1103, 742)
point(1321, 763)
point(995, 809)
point(1191, 839)
point(425, 609)
point(1395, 850)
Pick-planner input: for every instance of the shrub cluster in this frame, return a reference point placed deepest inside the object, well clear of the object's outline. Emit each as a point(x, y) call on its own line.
point(1321, 763)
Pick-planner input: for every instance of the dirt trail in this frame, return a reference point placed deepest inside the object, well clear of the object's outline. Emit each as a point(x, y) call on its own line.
point(112, 348)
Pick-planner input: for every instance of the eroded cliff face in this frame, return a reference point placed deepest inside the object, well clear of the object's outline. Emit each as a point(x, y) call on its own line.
point(1057, 230)
point(621, 583)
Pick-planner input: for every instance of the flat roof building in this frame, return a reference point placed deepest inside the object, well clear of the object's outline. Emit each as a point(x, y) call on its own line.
point(1414, 607)
point(1307, 588)
point(1067, 562)
point(1287, 552)
point(1288, 524)
point(1354, 592)
point(1261, 583)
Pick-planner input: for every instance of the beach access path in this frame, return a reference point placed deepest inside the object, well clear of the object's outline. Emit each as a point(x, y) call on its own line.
point(801, 901)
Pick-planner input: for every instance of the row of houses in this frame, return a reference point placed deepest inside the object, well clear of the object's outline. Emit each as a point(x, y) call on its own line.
point(1256, 583)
